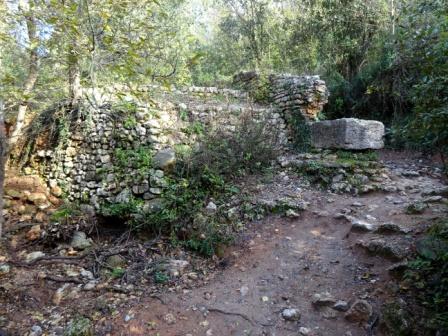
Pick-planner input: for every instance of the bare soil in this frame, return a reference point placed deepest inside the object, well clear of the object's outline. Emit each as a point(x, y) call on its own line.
point(278, 263)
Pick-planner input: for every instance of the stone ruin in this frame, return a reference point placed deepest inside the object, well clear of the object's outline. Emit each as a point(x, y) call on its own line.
point(291, 94)
point(304, 94)
point(84, 167)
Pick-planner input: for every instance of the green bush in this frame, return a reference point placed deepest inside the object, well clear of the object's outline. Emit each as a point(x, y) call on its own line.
point(429, 276)
point(80, 326)
point(65, 212)
point(262, 93)
point(250, 148)
point(301, 133)
point(204, 174)
point(124, 210)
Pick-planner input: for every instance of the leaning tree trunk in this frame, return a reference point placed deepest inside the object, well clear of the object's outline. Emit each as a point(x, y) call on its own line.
point(31, 78)
point(3, 155)
point(74, 76)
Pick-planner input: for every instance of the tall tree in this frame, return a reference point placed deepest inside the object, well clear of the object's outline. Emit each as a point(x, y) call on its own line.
point(26, 9)
point(3, 156)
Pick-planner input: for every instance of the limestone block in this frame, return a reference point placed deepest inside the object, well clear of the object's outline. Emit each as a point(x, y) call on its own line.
point(348, 133)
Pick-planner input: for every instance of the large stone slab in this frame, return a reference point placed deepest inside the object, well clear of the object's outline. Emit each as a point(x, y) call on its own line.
point(348, 133)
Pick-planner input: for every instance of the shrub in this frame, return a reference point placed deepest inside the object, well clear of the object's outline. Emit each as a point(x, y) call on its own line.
point(65, 212)
point(204, 174)
point(429, 276)
point(262, 92)
point(300, 130)
point(80, 326)
point(139, 158)
point(248, 149)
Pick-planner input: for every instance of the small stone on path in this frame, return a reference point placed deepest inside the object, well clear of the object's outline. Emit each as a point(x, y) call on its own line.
point(291, 314)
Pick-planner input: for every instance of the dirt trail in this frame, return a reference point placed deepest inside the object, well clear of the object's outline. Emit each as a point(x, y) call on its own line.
point(278, 263)
point(283, 264)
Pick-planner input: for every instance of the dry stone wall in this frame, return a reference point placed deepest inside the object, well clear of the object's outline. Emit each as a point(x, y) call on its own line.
point(292, 94)
point(304, 94)
point(117, 155)
point(121, 151)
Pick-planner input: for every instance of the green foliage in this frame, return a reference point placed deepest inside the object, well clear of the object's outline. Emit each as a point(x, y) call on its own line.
point(124, 210)
point(397, 320)
point(426, 23)
point(130, 122)
point(196, 128)
point(429, 276)
point(300, 130)
point(416, 208)
point(65, 212)
point(139, 159)
point(248, 149)
point(80, 326)
point(262, 93)
point(117, 272)
point(125, 107)
point(204, 174)
point(353, 157)
point(317, 173)
point(353, 165)
point(161, 277)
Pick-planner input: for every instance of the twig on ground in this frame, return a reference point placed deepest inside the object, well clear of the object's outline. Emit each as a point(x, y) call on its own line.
point(217, 310)
point(63, 279)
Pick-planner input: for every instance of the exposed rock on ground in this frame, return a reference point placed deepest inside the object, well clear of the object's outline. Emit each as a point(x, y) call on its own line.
point(260, 285)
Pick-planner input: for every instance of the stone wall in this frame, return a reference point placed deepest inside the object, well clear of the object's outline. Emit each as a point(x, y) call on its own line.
point(304, 94)
point(119, 150)
point(104, 158)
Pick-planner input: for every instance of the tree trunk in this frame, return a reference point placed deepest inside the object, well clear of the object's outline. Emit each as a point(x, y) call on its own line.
point(31, 78)
point(3, 155)
point(74, 69)
point(74, 78)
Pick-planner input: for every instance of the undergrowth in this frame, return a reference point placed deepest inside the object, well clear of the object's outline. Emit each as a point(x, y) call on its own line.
point(422, 307)
point(428, 274)
point(202, 175)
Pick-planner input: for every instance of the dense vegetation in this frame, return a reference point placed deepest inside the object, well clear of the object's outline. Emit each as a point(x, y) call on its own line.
point(382, 59)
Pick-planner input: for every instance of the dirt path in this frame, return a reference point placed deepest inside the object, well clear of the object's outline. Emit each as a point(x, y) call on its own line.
point(279, 263)
point(283, 265)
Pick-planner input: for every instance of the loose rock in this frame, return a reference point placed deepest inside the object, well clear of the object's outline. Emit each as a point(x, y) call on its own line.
point(80, 241)
point(291, 314)
point(360, 311)
point(4, 269)
point(341, 305)
point(323, 299)
point(34, 255)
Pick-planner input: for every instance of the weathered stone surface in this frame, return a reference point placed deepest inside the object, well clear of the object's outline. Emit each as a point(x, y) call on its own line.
point(34, 255)
point(4, 269)
point(323, 299)
point(348, 133)
point(102, 160)
point(360, 311)
point(165, 158)
point(392, 250)
point(80, 241)
point(306, 95)
point(291, 314)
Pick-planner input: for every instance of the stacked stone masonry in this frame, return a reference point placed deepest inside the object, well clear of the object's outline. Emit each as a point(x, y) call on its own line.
point(84, 167)
point(304, 94)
